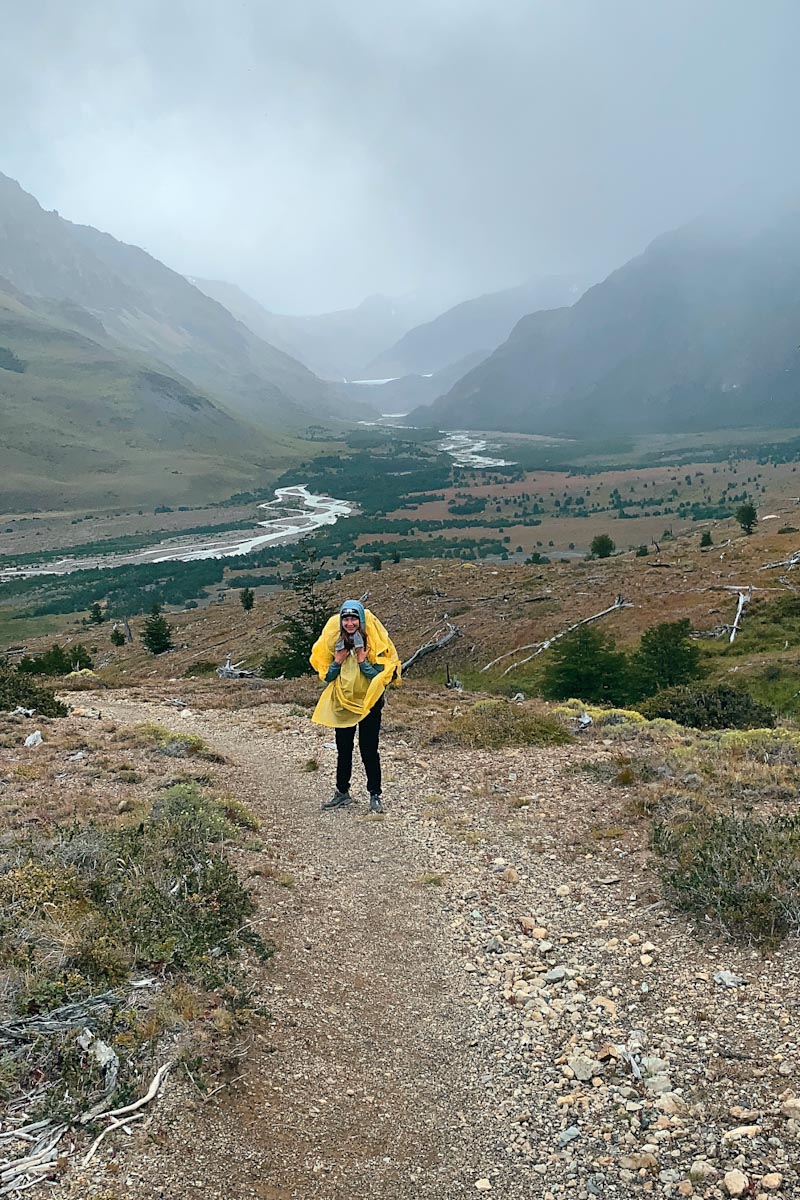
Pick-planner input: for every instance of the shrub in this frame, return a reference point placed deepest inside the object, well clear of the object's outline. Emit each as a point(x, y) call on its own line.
point(642, 551)
point(19, 691)
point(713, 707)
point(56, 661)
point(492, 724)
point(706, 540)
point(741, 872)
point(602, 546)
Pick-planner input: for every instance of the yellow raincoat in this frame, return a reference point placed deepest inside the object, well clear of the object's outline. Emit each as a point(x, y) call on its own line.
point(351, 695)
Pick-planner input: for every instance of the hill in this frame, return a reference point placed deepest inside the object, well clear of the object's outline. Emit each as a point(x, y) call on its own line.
point(87, 422)
point(334, 345)
point(475, 326)
point(146, 307)
point(699, 332)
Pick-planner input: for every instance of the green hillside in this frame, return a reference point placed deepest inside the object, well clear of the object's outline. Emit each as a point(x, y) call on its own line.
point(86, 422)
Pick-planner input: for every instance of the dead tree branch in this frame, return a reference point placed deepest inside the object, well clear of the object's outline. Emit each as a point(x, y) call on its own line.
point(438, 644)
point(744, 598)
point(538, 647)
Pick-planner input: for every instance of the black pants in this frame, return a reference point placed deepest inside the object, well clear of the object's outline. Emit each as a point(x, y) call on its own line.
point(369, 731)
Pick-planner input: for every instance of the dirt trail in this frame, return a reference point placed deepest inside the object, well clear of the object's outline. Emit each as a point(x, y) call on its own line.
point(357, 1092)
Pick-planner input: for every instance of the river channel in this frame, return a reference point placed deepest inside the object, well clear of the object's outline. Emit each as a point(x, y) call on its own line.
point(293, 514)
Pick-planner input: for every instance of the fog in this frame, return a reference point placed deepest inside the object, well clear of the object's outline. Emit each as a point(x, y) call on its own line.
point(317, 152)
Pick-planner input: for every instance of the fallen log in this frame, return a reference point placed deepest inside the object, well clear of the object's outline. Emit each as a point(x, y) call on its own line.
point(539, 647)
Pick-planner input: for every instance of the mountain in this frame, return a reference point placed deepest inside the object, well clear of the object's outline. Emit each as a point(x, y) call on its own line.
point(146, 307)
point(86, 422)
point(334, 345)
point(475, 326)
point(699, 332)
point(405, 393)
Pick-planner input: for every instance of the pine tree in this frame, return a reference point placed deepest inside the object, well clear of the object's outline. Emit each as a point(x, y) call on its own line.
point(156, 634)
point(585, 665)
point(247, 598)
point(304, 625)
point(96, 614)
point(706, 539)
point(747, 516)
point(117, 637)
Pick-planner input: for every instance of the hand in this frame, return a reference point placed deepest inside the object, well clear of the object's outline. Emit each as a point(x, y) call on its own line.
point(340, 655)
point(361, 654)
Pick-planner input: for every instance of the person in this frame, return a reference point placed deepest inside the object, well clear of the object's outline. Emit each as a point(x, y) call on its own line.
point(356, 657)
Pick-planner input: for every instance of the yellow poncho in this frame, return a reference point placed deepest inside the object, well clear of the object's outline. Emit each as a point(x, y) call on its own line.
point(351, 695)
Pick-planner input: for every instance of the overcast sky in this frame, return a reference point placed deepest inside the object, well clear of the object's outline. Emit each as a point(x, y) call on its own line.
point(316, 151)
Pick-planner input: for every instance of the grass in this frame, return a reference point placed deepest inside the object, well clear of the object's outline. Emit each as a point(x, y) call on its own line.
point(173, 745)
point(83, 907)
point(742, 873)
point(493, 724)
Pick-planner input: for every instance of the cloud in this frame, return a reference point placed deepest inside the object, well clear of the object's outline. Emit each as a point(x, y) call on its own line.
point(319, 151)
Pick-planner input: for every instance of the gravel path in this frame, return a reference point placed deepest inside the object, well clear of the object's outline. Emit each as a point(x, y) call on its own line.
point(476, 992)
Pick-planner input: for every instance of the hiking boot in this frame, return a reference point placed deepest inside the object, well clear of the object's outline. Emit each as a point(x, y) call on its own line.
point(338, 800)
point(375, 803)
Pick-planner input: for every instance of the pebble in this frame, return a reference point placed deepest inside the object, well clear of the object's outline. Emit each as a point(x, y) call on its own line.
point(736, 1182)
point(483, 1185)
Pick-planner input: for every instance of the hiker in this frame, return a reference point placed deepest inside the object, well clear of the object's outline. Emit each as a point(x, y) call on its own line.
point(355, 656)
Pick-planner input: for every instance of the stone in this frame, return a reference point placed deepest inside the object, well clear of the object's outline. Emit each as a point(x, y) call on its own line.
point(728, 979)
point(563, 890)
point(790, 1109)
point(736, 1182)
point(658, 1084)
point(555, 975)
point(685, 1188)
point(568, 1135)
point(638, 1162)
point(742, 1131)
point(34, 739)
point(483, 1185)
point(773, 1182)
point(584, 1068)
point(702, 1171)
point(510, 875)
point(603, 1002)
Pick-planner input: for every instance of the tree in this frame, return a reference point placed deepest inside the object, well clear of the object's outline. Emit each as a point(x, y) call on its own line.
point(602, 546)
point(747, 516)
point(247, 598)
point(117, 637)
point(585, 665)
point(706, 539)
point(666, 657)
point(156, 634)
point(96, 614)
point(376, 562)
point(305, 625)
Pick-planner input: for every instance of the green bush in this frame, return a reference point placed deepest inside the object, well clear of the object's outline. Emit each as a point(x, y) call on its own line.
point(741, 872)
point(711, 707)
point(58, 660)
point(20, 691)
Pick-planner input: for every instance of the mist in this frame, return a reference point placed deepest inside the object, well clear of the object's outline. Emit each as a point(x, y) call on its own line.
point(316, 153)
